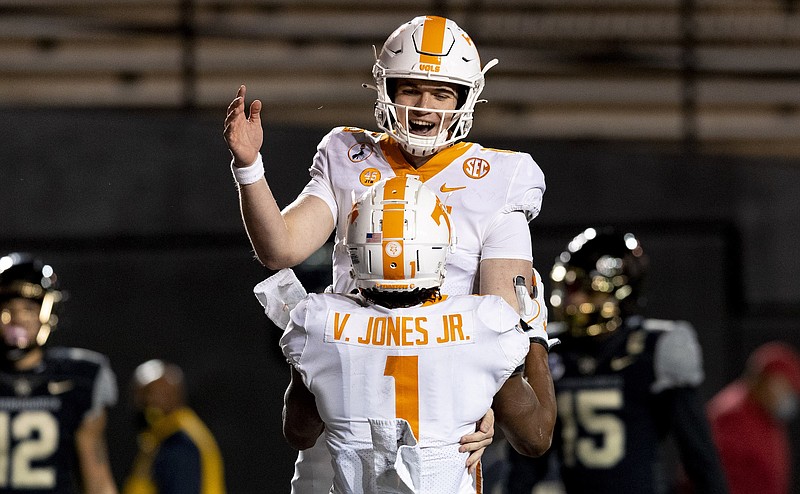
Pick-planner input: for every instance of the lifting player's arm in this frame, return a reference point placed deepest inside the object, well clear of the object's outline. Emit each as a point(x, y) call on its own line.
point(302, 424)
point(526, 418)
point(90, 443)
point(280, 239)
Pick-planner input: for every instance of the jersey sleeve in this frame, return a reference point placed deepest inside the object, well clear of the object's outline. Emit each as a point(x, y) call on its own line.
point(505, 321)
point(527, 188)
point(508, 237)
point(104, 392)
point(678, 360)
point(320, 184)
point(293, 340)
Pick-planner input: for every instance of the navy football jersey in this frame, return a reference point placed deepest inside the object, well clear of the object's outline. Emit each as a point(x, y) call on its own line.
point(40, 411)
point(617, 400)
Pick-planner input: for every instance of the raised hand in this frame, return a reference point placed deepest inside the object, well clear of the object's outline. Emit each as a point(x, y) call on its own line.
point(244, 135)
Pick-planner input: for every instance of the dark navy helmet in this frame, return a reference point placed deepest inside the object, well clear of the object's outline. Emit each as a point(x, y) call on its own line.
point(598, 281)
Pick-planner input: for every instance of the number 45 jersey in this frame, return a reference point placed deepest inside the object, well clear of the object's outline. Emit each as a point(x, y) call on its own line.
point(618, 399)
point(397, 388)
point(40, 411)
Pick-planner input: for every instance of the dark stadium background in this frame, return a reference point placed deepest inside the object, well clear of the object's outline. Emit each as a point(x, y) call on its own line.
point(132, 200)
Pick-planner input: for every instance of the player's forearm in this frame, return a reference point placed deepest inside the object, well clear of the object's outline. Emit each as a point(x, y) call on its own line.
point(537, 373)
point(302, 424)
point(265, 225)
point(517, 412)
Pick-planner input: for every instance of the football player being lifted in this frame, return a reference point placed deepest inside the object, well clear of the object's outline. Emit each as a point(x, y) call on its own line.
point(428, 77)
point(622, 382)
point(394, 376)
point(52, 400)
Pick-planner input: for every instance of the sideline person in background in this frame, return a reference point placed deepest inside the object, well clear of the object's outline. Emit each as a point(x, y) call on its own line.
point(749, 420)
point(393, 376)
point(177, 453)
point(53, 400)
point(623, 383)
point(428, 77)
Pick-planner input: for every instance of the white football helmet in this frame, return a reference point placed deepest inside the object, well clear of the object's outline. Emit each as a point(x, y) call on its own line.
point(398, 236)
point(435, 49)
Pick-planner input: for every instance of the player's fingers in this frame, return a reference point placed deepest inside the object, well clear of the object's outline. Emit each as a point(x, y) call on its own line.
point(255, 111)
point(234, 108)
point(474, 459)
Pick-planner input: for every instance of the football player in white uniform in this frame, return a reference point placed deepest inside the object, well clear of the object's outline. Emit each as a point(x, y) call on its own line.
point(394, 376)
point(428, 78)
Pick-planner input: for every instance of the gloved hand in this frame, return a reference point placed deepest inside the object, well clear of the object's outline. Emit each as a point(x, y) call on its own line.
point(533, 311)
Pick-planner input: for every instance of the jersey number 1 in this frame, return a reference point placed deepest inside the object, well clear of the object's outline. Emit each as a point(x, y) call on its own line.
point(405, 371)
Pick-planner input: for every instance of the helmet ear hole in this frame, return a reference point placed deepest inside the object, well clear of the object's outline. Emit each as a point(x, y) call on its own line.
point(391, 88)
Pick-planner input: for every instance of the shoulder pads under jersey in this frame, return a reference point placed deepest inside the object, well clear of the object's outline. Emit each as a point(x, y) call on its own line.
point(527, 188)
point(678, 358)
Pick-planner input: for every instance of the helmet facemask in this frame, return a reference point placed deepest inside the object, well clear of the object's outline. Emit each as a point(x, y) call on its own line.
point(453, 126)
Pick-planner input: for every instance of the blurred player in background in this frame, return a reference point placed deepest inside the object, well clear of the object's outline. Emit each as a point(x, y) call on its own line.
point(428, 78)
point(395, 375)
point(623, 383)
point(177, 452)
point(52, 400)
point(749, 420)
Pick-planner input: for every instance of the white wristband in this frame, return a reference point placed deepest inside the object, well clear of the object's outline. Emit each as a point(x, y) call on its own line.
point(248, 174)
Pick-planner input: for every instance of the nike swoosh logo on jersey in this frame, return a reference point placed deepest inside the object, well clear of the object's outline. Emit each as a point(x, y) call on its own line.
point(59, 387)
point(445, 189)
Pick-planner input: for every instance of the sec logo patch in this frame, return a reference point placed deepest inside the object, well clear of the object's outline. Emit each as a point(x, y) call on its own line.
point(476, 167)
point(369, 176)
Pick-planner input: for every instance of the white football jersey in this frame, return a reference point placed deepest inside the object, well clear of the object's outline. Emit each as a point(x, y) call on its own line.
point(398, 388)
point(476, 184)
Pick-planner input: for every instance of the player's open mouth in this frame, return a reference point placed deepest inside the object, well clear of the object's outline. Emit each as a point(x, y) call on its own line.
point(421, 127)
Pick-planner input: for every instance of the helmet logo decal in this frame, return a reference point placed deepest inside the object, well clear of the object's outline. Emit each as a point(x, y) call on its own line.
point(393, 249)
point(369, 176)
point(476, 168)
point(358, 152)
